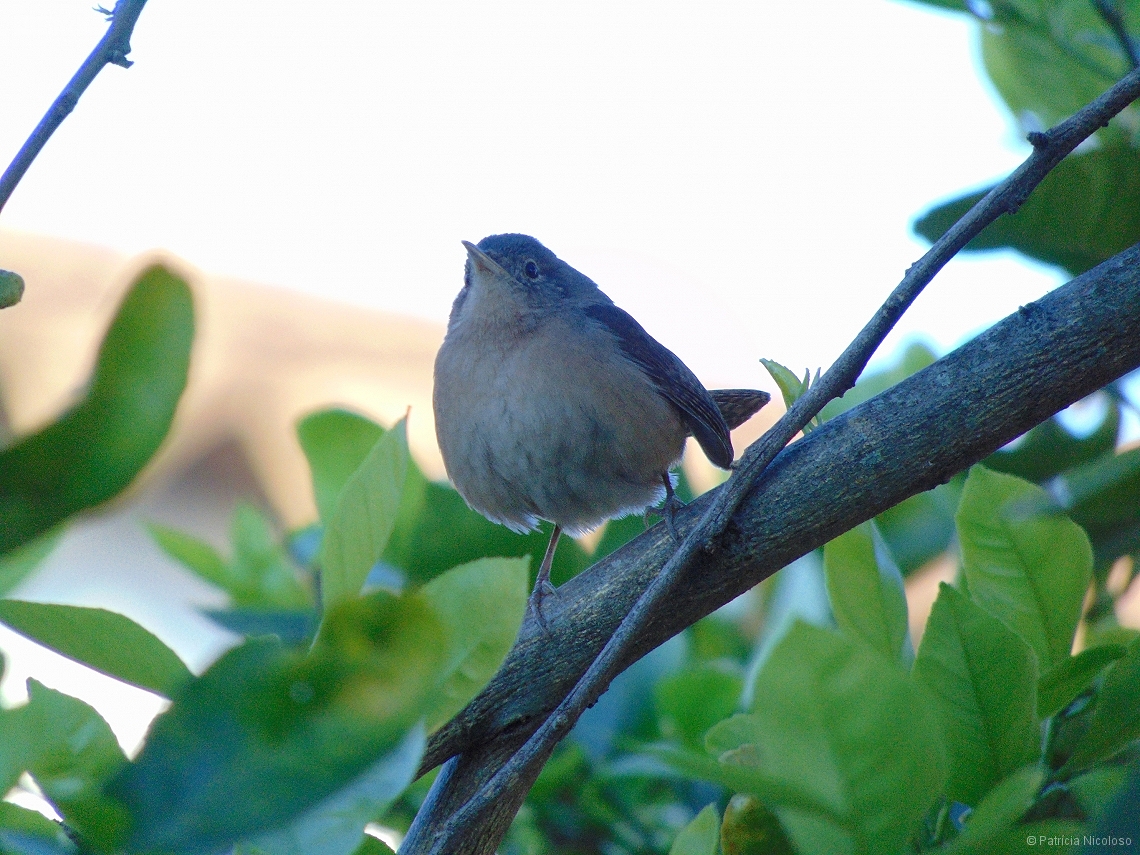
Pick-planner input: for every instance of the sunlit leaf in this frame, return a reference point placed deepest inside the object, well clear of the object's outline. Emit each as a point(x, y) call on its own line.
point(282, 729)
point(791, 386)
point(480, 607)
point(93, 452)
point(336, 825)
point(699, 837)
point(1029, 572)
point(69, 751)
point(1057, 687)
point(1116, 719)
point(335, 443)
point(106, 641)
point(983, 677)
point(837, 720)
point(866, 591)
point(358, 531)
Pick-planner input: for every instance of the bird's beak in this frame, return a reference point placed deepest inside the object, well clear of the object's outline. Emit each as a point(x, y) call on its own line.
point(482, 260)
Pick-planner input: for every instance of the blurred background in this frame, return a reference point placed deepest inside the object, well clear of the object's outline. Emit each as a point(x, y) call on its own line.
point(741, 177)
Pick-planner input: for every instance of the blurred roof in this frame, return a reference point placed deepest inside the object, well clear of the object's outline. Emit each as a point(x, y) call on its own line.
point(263, 357)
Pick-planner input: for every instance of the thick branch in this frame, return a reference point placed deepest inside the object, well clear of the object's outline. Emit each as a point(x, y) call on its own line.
point(911, 438)
point(112, 49)
point(488, 805)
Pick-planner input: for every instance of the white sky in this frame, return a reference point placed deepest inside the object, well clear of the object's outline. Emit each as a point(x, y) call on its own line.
point(739, 176)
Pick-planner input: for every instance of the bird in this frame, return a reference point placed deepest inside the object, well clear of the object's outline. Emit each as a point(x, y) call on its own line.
point(551, 403)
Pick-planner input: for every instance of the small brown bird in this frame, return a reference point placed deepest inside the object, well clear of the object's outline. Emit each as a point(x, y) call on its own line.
point(551, 403)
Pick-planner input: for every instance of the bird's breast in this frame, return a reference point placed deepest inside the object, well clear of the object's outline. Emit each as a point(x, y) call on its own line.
point(554, 424)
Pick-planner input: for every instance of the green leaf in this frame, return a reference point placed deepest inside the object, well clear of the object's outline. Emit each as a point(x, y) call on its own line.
point(28, 832)
point(92, 453)
point(1031, 573)
point(435, 531)
point(834, 719)
point(1059, 686)
point(1084, 212)
point(751, 828)
point(699, 837)
point(335, 443)
point(738, 769)
point(69, 751)
point(1116, 719)
point(792, 388)
point(955, 5)
point(691, 701)
point(373, 846)
point(999, 813)
point(106, 641)
point(263, 575)
point(866, 591)
point(480, 606)
point(1047, 60)
point(983, 677)
point(283, 730)
point(19, 564)
point(292, 626)
point(922, 527)
point(1049, 449)
point(1103, 497)
point(260, 576)
point(11, 288)
point(336, 825)
point(365, 515)
point(193, 554)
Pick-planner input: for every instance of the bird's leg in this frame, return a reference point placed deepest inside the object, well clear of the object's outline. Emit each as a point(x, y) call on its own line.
point(542, 586)
point(668, 509)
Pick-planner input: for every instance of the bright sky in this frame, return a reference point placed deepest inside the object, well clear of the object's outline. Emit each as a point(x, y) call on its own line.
point(740, 176)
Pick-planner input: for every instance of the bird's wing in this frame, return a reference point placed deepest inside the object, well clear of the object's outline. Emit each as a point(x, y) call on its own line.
point(676, 383)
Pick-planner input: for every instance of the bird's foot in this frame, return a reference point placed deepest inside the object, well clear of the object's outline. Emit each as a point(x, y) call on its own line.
point(543, 589)
point(668, 510)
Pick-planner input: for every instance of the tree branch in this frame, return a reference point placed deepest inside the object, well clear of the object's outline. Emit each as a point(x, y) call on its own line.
point(112, 49)
point(904, 441)
point(478, 807)
point(1109, 11)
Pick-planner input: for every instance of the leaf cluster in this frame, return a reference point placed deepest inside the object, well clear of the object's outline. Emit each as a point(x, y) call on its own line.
point(316, 721)
point(1046, 59)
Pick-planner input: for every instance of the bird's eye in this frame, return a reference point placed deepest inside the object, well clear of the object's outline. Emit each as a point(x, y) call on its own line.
point(531, 270)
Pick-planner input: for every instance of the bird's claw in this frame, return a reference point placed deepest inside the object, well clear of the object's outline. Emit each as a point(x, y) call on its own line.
point(542, 590)
point(667, 512)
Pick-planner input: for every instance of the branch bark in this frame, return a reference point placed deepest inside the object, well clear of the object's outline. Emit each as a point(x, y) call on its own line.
point(111, 50)
point(479, 818)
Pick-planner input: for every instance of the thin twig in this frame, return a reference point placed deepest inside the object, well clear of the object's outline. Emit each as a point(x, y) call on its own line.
point(1050, 148)
point(112, 49)
point(1110, 11)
